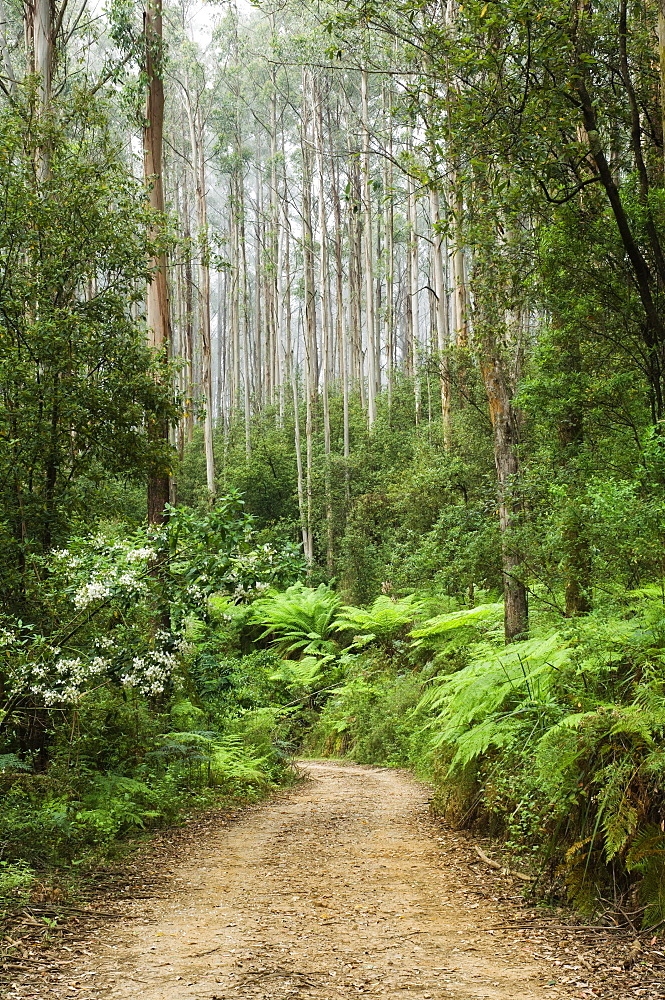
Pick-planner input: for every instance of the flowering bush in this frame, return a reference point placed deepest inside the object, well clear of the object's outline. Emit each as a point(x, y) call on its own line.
point(114, 608)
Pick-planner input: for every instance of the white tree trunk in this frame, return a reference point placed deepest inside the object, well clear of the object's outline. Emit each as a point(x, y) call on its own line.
point(370, 318)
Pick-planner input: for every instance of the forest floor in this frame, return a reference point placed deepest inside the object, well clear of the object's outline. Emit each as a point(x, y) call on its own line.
point(341, 887)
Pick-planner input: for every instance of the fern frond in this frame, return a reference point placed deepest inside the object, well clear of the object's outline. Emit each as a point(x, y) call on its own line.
point(381, 623)
point(297, 617)
point(431, 630)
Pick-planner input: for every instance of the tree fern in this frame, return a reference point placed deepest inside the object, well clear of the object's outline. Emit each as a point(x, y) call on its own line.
point(305, 676)
point(490, 701)
point(524, 669)
point(382, 623)
point(299, 620)
point(492, 733)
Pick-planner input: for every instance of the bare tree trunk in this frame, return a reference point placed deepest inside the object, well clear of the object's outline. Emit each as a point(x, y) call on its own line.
point(326, 329)
point(158, 317)
point(291, 368)
point(179, 333)
point(370, 319)
point(221, 353)
point(236, 209)
point(441, 313)
point(311, 361)
point(414, 289)
point(460, 295)
point(499, 385)
point(243, 293)
point(389, 250)
point(276, 291)
point(246, 338)
point(198, 165)
point(355, 273)
point(661, 65)
point(190, 401)
point(262, 389)
point(39, 22)
point(6, 58)
point(340, 325)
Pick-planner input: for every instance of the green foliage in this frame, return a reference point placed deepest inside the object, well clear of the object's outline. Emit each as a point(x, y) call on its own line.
point(299, 620)
point(304, 679)
point(382, 624)
point(482, 704)
point(370, 718)
point(646, 856)
point(554, 743)
point(87, 375)
point(16, 880)
point(205, 759)
point(429, 634)
point(123, 723)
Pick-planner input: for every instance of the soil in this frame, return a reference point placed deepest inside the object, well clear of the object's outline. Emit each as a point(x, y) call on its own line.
point(342, 887)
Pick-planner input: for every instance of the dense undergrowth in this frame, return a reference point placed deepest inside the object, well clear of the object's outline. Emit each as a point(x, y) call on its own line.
point(124, 703)
point(553, 744)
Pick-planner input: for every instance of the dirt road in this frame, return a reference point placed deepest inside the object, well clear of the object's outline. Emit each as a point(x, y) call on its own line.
point(340, 888)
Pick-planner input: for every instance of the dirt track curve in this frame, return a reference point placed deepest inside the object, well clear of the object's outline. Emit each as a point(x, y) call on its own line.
point(336, 889)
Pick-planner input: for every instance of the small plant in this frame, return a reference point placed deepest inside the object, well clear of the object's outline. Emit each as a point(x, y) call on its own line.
point(15, 881)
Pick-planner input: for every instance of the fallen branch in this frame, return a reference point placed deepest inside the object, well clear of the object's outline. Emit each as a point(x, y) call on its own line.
point(60, 910)
point(200, 954)
point(505, 871)
point(577, 928)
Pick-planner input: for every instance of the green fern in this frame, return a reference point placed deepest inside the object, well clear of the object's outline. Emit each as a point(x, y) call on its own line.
point(305, 676)
point(493, 733)
point(493, 676)
point(646, 856)
point(382, 623)
point(430, 632)
point(616, 810)
point(10, 762)
point(299, 620)
point(581, 863)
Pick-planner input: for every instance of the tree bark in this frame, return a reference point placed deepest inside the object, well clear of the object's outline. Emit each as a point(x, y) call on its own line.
point(326, 323)
point(158, 314)
point(368, 258)
point(198, 166)
point(505, 427)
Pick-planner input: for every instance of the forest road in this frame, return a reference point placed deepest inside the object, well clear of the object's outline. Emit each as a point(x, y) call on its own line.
point(342, 887)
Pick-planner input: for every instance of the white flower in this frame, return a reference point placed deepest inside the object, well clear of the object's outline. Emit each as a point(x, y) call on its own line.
point(131, 583)
point(68, 666)
point(91, 592)
point(138, 555)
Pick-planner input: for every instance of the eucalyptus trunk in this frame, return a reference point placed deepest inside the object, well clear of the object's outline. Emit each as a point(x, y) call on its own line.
point(198, 164)
point(368, 259)
point(158, 315)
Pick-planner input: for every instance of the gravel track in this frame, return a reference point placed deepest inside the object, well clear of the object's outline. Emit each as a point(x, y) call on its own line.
point(342, 887)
